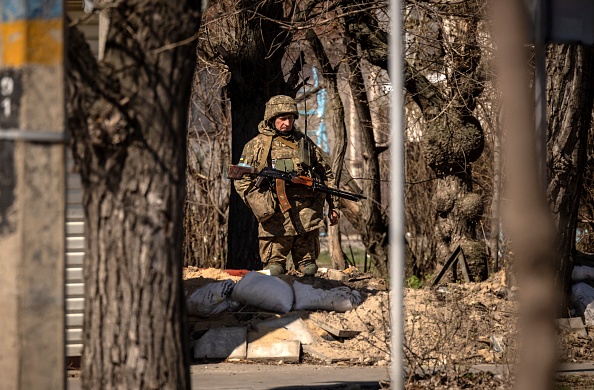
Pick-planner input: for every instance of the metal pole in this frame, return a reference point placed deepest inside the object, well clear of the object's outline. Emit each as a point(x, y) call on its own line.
point(396, 195)
point(32, 189)
point(538, 10)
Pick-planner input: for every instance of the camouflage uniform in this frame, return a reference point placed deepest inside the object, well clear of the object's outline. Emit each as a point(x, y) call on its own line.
point(297, 230)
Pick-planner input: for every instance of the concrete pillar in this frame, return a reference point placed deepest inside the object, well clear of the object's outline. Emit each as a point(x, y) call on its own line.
point(32, 187)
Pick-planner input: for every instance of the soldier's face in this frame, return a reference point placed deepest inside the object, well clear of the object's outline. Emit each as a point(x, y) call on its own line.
point(284, 123)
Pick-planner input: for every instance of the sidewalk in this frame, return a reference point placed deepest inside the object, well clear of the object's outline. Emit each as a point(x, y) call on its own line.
point(229, 376)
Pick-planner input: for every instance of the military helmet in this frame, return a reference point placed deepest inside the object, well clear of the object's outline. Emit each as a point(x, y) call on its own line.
point(280, 104)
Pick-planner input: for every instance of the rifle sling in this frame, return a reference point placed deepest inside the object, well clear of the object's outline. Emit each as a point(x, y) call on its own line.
point(281, 193)
point(290, 144)
point(264, 158)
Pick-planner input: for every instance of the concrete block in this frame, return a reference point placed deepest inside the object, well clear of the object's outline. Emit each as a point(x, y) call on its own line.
point(222, 343)
point(574, 324)
point(287, 351)
point(296, 329)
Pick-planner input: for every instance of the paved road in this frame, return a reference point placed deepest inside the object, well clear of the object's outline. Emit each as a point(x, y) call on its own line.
point(229, 376)
point(226, 376)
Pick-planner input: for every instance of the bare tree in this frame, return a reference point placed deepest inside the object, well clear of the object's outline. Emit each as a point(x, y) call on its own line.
point(128, 118)
point(336, 109)
point(207, 200)
point(570, 70)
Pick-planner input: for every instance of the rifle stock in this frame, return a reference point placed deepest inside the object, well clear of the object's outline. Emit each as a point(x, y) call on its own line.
point(238, 171)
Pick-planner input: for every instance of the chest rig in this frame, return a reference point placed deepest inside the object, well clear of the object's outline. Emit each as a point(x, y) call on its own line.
point(286, 156)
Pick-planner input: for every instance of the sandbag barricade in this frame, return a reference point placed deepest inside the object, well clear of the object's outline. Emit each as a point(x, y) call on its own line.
point(265, 292)
point(339, 299)
point(212, 299)
point(269, 293)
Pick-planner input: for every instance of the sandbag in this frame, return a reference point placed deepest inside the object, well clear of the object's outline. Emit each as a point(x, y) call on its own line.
point(211, 299)
point(264, 292)
point(581, 273)
point(339, 299)
point(582, 295)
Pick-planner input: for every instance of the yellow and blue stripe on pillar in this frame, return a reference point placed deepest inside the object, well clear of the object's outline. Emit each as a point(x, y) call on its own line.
point(31, 32)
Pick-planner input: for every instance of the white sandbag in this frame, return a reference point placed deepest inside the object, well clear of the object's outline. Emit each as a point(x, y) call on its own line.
point(582, 295)
point(264, 292)
point(582, 273)
point(211, 299)
point(339, 299)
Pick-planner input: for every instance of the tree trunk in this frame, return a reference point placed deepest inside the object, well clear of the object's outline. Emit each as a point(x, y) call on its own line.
point(128, 118)
point(452, 139)
point(336, 110)
point(570, 70)
point(375, 232)
point(242, 243)
point(496, 201)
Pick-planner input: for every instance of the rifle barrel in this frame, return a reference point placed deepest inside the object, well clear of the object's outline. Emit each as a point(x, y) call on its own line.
point(309, 182)
point(340, 193)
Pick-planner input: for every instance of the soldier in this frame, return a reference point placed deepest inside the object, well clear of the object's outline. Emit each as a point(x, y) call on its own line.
point(281, 146)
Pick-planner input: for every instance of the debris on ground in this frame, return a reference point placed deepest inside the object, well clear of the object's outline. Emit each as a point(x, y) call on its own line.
point(452, 326)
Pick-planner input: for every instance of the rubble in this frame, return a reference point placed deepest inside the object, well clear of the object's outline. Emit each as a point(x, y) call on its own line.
point(452, 325)
point(329, 336)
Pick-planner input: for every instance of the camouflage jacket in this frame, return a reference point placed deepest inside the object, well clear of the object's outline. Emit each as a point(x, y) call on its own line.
point(307, 207)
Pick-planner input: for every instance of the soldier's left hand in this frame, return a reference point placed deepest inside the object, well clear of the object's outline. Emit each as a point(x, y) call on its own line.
point(333, 217)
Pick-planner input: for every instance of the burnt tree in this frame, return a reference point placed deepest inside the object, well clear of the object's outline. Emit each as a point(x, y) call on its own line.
point(128, 118)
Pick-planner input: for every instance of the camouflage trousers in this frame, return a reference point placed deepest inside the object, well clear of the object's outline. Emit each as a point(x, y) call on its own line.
point(304, 248)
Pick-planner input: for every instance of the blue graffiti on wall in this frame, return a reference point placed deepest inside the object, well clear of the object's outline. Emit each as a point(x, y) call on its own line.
point(30, 9)
point(320, 135)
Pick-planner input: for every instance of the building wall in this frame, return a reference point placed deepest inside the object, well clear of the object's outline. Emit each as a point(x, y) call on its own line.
point(75, 229)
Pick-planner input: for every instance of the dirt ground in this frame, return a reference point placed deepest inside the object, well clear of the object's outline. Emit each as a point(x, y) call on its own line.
point(447, 329)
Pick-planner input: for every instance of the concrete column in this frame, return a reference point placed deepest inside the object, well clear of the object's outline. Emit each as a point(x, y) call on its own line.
point(32, 189)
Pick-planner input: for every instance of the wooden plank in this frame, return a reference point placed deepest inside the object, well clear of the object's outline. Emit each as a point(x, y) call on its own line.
point(334, 330)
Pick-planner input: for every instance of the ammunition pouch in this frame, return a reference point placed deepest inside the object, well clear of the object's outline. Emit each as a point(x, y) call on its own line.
point(262, 203)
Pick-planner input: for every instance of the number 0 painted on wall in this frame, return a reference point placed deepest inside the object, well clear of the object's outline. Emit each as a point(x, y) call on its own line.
point(11, 92)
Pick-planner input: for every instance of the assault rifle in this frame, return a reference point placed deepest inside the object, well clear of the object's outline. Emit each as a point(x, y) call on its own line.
point(281, 177)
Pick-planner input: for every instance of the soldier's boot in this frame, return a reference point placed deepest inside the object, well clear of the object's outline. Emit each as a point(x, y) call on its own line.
point(275, 269)
point(308, 268)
